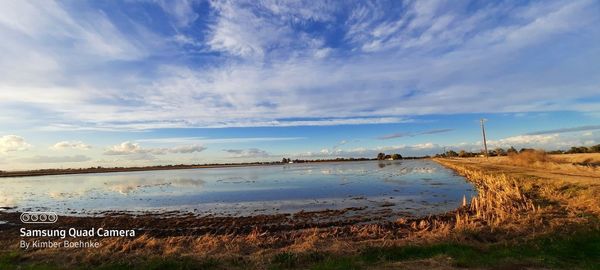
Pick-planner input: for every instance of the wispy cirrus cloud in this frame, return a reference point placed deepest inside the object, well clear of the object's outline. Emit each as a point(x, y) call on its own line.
point(264, 61)
point(203, 140)
point(413, 134)
point(565, 130)
point(254, 30)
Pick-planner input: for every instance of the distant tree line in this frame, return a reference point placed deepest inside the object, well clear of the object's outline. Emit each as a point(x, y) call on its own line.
point(289, 160)
point(380, 156)
point(579, 149)
point(505, 152)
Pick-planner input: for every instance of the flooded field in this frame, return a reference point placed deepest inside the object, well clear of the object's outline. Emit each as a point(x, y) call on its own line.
point(412, 188)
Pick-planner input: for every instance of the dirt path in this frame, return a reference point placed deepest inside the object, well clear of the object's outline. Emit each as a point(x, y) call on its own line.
point(582, 177)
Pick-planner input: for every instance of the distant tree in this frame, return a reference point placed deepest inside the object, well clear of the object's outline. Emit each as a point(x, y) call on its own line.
point(387, 157)
point(451, 153)
point(526, 150)
point(511, 150)
point(396, 156)
point(500, 151)
point(577, 150)
point(285, 160)
point(594, 149)
point(462, 153)
point(381, 156)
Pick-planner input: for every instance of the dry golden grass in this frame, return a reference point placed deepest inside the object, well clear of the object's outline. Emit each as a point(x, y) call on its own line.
point(530, 157)
point(575, 163)
point(500, 201)
point(543, 178)
point(578, 158)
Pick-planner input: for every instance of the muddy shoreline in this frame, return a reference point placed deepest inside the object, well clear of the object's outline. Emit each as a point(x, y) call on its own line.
point(165, 225)
point(342, 223)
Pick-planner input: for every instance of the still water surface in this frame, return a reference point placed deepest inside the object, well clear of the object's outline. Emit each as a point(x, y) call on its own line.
point(413, 187)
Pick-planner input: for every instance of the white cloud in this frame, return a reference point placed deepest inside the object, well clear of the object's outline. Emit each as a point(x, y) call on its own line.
point(239, 31)
point(125, 148)
point(247, 153)
point(423, 146)
point(187, 149)
point(186, 40)
point(182, 11)
point(12, 143)
point(545, 141)
point(79, 145)
point(88, 35)
point(131, 148)
point(526, 140)
point(251, 29)
point(55, 159)
point(405, 150)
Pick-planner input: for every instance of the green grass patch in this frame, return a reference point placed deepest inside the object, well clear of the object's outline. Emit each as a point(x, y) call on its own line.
point(284, 260)
point(180, 263)
point(580, 250)
point(13, 260)
point(343, 263)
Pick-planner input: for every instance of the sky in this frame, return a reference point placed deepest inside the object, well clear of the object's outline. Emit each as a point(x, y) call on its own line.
point(134, 83)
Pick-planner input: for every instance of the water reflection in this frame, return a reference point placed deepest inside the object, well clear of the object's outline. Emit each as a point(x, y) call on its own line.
point(127, 186)
point(419, 186)
point(7, 199)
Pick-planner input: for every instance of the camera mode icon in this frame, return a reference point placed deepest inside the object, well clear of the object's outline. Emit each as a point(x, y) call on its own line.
point(39, 217)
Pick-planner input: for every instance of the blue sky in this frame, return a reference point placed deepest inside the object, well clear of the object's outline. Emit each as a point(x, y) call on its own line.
point(166, 82)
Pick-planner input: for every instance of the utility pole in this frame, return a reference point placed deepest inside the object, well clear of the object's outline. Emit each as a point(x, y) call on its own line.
point(482, 120)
